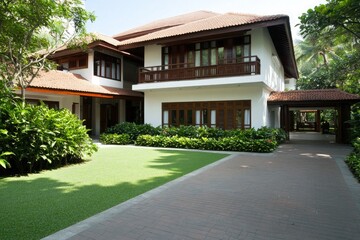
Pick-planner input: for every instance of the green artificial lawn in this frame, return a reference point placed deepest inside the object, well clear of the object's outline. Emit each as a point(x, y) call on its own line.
point(40, 204)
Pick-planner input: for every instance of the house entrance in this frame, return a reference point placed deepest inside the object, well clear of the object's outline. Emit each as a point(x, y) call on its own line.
point(109, 116)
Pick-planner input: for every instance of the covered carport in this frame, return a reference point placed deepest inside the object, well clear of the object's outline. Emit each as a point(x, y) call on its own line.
point(316, 99)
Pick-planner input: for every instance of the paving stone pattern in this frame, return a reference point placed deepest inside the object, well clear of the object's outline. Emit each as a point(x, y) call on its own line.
point(297, 192)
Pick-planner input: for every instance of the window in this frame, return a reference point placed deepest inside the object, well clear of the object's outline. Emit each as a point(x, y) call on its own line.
point(221, 114)
point(208, 53)
point(107, 66)
point(74, 62)
point(165, 118)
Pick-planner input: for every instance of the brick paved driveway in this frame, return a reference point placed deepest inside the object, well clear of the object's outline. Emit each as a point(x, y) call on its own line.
point(301, 191)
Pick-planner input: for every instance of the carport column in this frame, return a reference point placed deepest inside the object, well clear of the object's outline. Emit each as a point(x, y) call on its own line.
point(318, 121)
point(96, 117)
point(343, 131)
point(284, 119)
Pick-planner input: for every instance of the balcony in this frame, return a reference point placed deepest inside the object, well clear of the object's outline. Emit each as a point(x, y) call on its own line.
point(175, 72)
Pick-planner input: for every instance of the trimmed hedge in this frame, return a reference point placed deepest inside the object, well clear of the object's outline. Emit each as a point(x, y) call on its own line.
point(113, 138)
point(133, 130)
point(190, 137)
point(222, 144)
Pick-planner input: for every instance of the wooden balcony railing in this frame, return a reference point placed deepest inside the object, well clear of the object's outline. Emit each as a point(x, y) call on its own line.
point(229, 67)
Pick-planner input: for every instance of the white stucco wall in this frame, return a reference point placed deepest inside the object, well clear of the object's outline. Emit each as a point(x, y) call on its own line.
point(65, 101)
point(272, 71)
point(152, 55)
point(253, 92)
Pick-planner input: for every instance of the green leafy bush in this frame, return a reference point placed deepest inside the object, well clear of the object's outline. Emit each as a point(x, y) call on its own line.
point(191, 137)
point(113, 138)
point(39, 137)
point(353, 160)
point(133, 130)
point(223, 144)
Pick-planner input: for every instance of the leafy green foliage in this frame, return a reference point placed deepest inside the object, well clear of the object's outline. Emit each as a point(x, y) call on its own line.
point(39, 137)
point(133, 130)
point(221, 144)
point(113, 138)
point(341, 17)
point(28, 26)
point(330, 53)
point(190, 137)
point(353, 160)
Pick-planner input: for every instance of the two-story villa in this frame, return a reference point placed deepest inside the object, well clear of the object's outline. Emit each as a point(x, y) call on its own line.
point(201, 68)
point(212, 69)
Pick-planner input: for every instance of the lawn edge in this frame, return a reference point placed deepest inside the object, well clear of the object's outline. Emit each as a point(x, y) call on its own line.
point(102, 216)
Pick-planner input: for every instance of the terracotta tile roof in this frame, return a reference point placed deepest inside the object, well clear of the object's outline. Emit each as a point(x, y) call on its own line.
point(210, 23)
point(165, 23)
point(105, 38)
point(60, 80)
point(312, 95)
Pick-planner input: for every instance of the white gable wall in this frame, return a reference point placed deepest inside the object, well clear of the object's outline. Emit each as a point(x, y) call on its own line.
point(272, 71)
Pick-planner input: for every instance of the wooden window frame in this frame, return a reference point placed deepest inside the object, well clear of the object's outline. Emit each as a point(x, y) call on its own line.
point(225, 113)
point(101, 63)
point(177, 55)
point(79, 62)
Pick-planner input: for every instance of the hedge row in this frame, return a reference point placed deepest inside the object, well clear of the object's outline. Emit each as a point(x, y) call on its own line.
point(190, 137)
point(136, 130)
point(221, 144)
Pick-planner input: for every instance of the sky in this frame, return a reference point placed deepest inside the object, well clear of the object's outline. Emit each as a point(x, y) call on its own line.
point(116, 16)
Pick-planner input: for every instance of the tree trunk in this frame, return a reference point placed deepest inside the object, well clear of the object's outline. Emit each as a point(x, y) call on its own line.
point(22, 93)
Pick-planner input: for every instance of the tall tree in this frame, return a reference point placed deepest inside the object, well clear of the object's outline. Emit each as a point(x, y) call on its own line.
point(337, 16)
point(328, 56)
point(31, 30)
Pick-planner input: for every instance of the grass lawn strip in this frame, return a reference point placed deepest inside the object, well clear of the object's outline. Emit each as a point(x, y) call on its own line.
point(40, 204)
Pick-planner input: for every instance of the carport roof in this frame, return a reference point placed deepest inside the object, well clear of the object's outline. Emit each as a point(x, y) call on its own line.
point(307, 96)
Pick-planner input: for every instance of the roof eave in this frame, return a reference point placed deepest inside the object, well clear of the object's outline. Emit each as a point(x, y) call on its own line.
point(83, 93)
point(203, 34)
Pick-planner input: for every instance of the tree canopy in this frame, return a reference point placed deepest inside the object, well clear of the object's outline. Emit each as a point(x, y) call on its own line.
point(329, 55)
point(31, 30)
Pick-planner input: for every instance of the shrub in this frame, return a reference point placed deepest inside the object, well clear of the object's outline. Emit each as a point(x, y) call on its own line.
point(353, 160)
point(225, 144)
point(191, 137)
point(113, 138)
point(133, 130)
point(39, 137)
